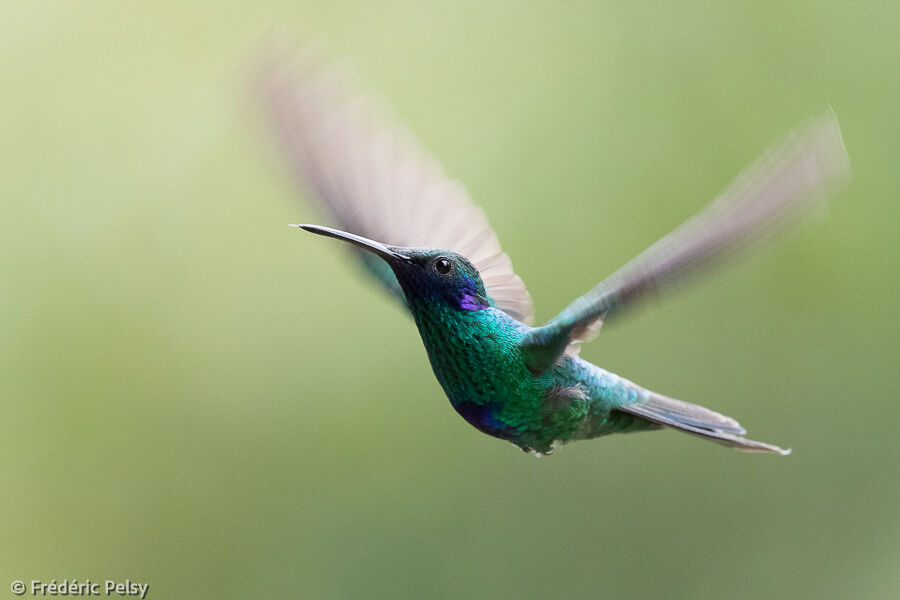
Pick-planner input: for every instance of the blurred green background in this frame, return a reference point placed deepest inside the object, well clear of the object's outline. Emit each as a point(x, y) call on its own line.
point(195, 396)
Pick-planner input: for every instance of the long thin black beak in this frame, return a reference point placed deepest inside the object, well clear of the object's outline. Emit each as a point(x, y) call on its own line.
point(386, 252)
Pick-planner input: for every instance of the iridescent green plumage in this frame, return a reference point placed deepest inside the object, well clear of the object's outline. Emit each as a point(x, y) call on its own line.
point(478, 359)
point(513, 381)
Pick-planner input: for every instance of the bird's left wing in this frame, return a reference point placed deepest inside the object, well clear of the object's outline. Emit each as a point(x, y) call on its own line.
point(791, 178)
point(372, 176)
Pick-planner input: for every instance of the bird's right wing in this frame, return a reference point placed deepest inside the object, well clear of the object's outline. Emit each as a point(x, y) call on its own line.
point(787, 181)
point(371, 175)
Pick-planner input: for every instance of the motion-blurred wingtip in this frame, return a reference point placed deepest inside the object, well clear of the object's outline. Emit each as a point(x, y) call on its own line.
point(833, 149)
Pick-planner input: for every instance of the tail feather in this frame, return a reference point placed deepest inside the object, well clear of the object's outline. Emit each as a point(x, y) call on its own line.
point(698, 421)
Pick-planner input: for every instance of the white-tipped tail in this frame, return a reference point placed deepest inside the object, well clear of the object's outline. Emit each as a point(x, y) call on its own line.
point(699, 421)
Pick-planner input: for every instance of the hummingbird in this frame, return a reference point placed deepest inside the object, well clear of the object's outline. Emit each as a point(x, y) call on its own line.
point(418, 233)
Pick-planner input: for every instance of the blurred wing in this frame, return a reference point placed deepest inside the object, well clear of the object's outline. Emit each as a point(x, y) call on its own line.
point(374, 179)
point(787, 181)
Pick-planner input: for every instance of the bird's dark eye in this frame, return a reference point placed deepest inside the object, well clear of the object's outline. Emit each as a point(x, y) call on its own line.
point(442, 266)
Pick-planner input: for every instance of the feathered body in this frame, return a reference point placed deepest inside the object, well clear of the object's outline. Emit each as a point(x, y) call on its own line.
point(507, 378)
point(477, 358)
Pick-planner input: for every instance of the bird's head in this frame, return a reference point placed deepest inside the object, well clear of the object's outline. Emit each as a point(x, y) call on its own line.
point(428, 276)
